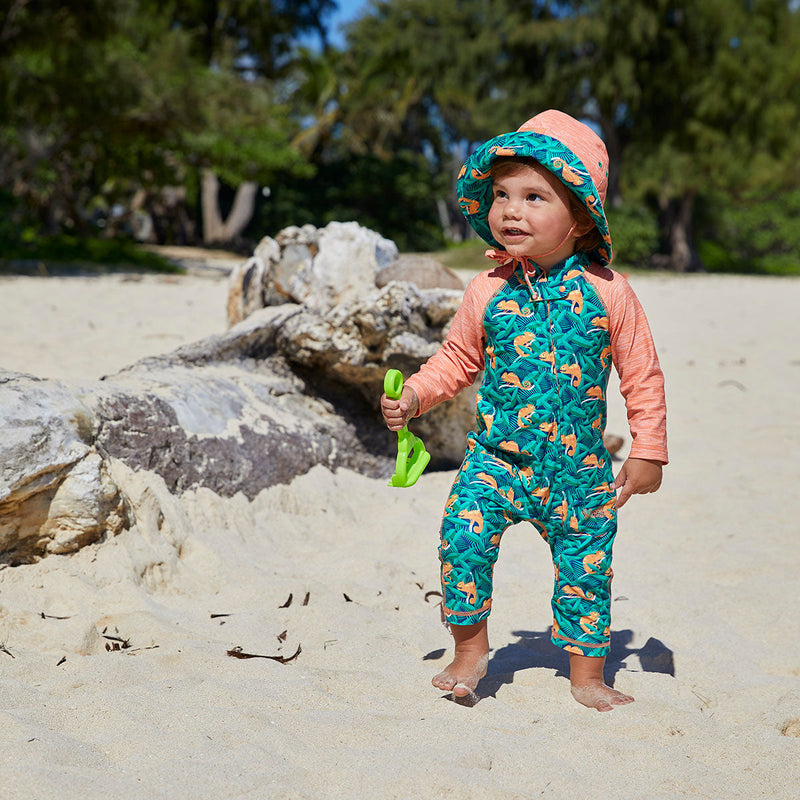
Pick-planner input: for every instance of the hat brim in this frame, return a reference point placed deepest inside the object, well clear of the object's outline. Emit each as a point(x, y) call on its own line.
point(474, 184)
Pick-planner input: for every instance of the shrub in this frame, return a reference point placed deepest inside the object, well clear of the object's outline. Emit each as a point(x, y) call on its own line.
point(66, 252)
point(759, 235)
point(634, 235)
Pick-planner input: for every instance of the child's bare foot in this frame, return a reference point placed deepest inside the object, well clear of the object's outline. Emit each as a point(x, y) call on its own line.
point(596, 694)
point(469, 664)
point(589, 688)
point(462, 675)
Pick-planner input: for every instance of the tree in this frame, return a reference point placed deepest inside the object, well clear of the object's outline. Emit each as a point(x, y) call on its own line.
point(255, 37)
point(719, 111)
point(692, 97)
point(430, 77)
point(46, 146)
point(254, 41)
point(103, 102)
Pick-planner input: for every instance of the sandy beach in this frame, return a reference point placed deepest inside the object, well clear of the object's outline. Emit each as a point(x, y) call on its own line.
point(122, 668)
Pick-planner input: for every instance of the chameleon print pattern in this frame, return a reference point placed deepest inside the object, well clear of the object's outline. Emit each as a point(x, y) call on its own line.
point(474, 185)
point(538, 455)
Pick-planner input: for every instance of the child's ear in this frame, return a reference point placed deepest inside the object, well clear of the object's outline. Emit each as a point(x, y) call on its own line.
point(582, 227)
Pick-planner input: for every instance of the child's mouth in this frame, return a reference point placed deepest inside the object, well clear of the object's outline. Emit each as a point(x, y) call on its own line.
point(512, 232)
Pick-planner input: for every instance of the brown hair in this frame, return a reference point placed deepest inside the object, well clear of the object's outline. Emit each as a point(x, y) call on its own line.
point(590, 240)
point(507, 165)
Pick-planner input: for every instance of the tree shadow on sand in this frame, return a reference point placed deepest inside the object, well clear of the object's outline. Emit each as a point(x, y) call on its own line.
point(534, 650)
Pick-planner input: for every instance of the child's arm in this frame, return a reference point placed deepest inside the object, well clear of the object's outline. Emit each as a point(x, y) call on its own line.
point(642, 386)
point(641, 380)
point(456, 364)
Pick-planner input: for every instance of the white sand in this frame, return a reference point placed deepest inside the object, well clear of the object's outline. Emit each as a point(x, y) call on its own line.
point(86, 327)
point(708, 566)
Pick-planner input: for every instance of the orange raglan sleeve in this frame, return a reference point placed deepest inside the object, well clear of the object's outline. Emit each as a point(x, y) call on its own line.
point(634, 356)
point(459, 361)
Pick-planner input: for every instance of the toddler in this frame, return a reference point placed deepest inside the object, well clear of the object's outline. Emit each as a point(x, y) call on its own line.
point(544, 325)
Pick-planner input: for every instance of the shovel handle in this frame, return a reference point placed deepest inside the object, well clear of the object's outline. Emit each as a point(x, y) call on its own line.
point(393, 384)
point(412, 457)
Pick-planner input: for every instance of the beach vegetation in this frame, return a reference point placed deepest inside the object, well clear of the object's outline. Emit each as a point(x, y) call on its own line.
point(760, 235)
point(216, 124)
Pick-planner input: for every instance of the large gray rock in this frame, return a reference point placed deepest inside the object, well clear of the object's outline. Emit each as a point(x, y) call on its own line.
point(229, 428)
point(45, 431)
point(284, 390)
point(294, 384)
point(363, 309)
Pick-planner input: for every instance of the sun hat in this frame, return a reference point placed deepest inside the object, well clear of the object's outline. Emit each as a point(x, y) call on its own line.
point(569, 149)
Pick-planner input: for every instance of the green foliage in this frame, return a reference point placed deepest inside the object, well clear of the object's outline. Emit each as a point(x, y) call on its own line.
point(428, 74)
point(690, 96)
point(718, 104)
point(634, 234)
point(393, 198)
point(69, 254)
point(417, 81)
point(244, 134)
point(252, 37)
point(103, 102)
point(105, 99)
point(25, 249)
point(760, 235)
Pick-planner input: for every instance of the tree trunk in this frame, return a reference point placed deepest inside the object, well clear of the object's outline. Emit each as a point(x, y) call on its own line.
point(215, 230)
point(614, 148)
point(680, 235)
point(212, 219)
point(244, 205)
point(676, 224)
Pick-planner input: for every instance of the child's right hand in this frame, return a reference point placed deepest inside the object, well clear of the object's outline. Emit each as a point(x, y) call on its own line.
point(397, 413)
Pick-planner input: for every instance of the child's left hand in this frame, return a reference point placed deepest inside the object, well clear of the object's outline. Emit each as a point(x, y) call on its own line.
point(637, 476)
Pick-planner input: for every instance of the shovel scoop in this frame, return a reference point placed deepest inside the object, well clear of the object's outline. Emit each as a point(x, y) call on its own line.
point(412, 457)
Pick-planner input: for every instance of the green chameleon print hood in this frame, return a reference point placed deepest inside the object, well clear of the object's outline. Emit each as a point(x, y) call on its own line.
point(569, 149)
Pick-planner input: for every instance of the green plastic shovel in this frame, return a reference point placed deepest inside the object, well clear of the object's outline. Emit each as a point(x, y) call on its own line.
point(412, 457)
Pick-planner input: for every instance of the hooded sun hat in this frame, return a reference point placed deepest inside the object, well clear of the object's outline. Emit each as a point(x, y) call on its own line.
point(569, 149)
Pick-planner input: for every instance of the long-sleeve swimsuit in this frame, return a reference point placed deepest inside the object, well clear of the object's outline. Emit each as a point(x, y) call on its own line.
point(545, 344)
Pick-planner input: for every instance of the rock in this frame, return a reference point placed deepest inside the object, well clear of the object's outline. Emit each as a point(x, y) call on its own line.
point(613, 443)
point(290, 381)
point(45, 431)
point(54, 494)
point(317, 268)
point(293, 384)
point(86, 506)
point(229, 428)
point(421, 270)
point(359, 309)
point(246, 292)
point(308, 236)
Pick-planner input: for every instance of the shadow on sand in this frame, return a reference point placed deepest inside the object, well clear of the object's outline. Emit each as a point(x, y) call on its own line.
point(534, 650)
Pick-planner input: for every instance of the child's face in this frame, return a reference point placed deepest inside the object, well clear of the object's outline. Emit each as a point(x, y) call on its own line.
point(530, 216)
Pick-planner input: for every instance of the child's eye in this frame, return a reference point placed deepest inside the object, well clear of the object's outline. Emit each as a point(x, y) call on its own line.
point(532, 196)
point(500, 193)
